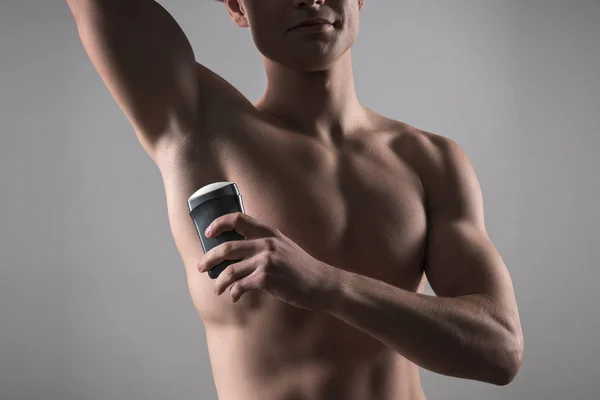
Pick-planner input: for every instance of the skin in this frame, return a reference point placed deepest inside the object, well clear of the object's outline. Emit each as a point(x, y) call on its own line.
point(347, 211)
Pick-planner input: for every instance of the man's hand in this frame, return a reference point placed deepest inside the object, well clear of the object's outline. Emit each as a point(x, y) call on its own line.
point(271, 262)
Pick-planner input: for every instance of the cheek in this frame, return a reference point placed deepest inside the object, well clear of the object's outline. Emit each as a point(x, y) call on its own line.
point(265, 29)
point(351, 25)
point(267, 41)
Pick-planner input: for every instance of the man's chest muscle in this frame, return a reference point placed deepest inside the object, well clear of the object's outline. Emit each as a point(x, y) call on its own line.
point(358, 208)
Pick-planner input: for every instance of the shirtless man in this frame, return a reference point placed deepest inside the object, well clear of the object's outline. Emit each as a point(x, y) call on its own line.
point(347, 211)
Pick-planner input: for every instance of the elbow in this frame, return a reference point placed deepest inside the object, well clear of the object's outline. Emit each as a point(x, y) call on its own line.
point(507, 374)
point(512, 356)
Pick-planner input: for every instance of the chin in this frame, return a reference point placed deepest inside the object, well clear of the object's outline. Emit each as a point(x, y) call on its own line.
point(304, 54)
point(309, 56)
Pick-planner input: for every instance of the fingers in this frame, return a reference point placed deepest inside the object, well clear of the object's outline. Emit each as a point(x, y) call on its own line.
point(232, 250)
point(242, 223)
point(235, 272)
point(254, 281)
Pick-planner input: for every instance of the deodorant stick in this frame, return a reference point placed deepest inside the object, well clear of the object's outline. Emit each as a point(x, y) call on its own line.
point(207, 204)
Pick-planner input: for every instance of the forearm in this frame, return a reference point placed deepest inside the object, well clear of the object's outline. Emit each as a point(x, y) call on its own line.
point(457, 337)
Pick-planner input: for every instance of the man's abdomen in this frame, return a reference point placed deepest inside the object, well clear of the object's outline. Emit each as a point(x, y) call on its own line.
point(305, 355)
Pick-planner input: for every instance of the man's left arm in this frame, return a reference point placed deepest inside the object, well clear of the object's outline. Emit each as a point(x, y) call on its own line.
point(471, 330)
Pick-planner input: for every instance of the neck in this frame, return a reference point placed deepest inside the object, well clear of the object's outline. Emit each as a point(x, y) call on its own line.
point(320, 104)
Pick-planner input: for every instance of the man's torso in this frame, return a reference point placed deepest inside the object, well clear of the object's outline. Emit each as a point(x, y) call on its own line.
point(358, 206)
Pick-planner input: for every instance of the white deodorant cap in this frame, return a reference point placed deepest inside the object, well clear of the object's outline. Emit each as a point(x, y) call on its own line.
point(208, 188)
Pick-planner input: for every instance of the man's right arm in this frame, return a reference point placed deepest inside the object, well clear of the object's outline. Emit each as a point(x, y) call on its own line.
point(148, 65)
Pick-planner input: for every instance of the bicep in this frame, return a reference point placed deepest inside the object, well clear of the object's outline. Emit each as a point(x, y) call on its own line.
point(144, 59)
point(461, 259)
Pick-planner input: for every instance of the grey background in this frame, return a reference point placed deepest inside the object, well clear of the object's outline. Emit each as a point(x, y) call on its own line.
point(93, 297)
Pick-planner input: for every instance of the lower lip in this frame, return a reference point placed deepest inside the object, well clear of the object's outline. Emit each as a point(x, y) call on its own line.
point(314, 28)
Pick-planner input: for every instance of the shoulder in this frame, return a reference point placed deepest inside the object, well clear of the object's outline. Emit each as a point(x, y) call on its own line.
point(432, 155)
point(439, 161)
point(443, 167)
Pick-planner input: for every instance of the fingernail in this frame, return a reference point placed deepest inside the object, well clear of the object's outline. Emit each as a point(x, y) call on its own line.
point(207, 232)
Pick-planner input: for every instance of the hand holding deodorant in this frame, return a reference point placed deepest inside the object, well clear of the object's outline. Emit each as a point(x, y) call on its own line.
point(209, 203)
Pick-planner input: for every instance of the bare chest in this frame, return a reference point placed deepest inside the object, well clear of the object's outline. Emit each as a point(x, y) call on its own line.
point(358, 207)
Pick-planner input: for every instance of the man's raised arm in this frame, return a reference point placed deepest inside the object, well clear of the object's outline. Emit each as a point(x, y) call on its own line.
point(148, 65)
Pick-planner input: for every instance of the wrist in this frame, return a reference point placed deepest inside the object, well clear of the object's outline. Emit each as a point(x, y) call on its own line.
point(336, 290)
